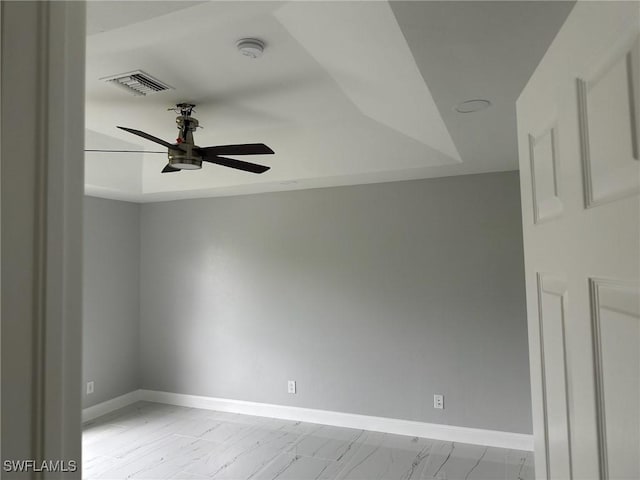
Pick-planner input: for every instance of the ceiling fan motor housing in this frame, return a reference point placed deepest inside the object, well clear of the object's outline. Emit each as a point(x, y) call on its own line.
point(185, 159)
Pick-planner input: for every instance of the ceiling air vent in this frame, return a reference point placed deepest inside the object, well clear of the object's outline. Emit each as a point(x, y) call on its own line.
point(138, 82)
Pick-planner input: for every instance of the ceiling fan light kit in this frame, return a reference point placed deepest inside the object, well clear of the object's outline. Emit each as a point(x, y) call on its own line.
point(186, 155)
point(184, 160)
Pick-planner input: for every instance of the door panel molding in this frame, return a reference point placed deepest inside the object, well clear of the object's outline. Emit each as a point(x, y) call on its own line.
point(622, 298)
point(545, 182)
point(611, 89)
point(555, 286)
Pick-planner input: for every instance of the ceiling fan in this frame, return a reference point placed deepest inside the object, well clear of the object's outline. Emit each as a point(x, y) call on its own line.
point(185, 155)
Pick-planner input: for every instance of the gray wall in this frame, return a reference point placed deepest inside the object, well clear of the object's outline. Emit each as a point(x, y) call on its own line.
point(111, 296)
point(373, 298)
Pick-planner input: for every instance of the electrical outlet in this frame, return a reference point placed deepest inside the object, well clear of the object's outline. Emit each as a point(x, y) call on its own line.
point(291, 386)
point(438, 401)
point(89, 388)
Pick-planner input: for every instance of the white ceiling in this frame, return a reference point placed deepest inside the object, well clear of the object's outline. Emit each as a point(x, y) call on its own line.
point(345, 93)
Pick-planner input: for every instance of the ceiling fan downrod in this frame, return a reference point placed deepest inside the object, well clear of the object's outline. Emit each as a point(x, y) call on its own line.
point(184, 156)
point(186, 123)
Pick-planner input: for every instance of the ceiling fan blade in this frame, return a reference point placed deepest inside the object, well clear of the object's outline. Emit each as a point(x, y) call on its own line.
point(169, 169)
point(244, 149)
point(125, 151)
point(238, 164)
point(142, 134)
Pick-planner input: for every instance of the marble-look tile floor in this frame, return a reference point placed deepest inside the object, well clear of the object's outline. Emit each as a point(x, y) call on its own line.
point(156, 441)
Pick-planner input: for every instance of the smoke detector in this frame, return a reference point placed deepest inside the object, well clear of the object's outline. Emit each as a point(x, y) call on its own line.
point(250, 47)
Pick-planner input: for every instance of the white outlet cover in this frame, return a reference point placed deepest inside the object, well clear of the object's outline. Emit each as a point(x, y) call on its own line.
point(438, 402)
point(89, 388)
point(291, 386)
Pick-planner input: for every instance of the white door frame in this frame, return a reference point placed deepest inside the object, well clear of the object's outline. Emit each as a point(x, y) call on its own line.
point(42, 103)
point(1, 235)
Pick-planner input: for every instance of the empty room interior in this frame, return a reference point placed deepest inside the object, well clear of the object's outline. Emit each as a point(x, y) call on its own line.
point(350, 240)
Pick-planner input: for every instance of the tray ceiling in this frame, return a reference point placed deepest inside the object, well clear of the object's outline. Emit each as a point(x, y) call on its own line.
point(345, 92)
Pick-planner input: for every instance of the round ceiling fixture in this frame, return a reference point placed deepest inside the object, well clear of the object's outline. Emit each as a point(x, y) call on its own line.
point(250, 47)
point(472, 106)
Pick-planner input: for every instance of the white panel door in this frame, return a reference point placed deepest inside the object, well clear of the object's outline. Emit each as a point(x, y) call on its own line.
point(579, 134)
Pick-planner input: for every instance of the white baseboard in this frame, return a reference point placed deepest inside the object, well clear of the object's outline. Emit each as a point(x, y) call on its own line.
point(109, 406)
point(449, 433)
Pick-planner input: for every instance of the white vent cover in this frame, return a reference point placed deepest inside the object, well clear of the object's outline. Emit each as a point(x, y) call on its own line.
point(138, 82)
